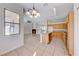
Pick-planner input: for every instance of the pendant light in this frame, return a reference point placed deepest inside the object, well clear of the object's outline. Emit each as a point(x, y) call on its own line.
point(33, 13)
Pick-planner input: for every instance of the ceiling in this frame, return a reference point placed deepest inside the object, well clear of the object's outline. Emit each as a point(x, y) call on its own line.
point(46, 10)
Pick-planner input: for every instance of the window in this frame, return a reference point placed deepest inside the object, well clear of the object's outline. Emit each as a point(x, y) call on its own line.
point(12, 23)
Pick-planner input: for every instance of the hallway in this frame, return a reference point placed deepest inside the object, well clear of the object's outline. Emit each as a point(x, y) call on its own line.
point(33, 47)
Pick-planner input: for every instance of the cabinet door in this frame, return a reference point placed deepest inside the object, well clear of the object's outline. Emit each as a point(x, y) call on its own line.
point(70, 40)
point(45, 38)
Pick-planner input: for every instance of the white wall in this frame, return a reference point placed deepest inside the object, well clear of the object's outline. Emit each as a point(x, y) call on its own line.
point(8, 43)
point(28, 28)
point(76, 30)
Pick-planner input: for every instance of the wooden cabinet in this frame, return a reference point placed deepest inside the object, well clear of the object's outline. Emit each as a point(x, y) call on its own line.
point(67, 37)
point(48, 37)
point(70, 33)
point(60, 35)
point(45, 38)
point(57, 32)
point(58, 26)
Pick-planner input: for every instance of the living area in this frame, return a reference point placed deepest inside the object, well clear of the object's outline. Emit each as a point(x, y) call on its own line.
point(37, 29)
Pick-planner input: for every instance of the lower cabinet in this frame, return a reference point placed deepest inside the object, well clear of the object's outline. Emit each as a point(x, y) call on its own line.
point(60, 35)
point(48, 37)
point(45, 38)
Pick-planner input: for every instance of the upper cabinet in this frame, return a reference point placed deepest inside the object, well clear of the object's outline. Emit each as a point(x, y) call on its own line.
point(58, 23)
point(58, 26)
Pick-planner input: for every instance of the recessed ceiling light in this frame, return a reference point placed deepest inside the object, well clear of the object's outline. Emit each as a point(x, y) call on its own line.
point(54, 11)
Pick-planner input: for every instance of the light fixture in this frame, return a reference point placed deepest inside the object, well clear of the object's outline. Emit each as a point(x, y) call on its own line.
point(33, 13)
point(54, 10)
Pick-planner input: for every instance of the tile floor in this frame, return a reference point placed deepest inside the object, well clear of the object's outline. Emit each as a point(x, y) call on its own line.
point(33, 47)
